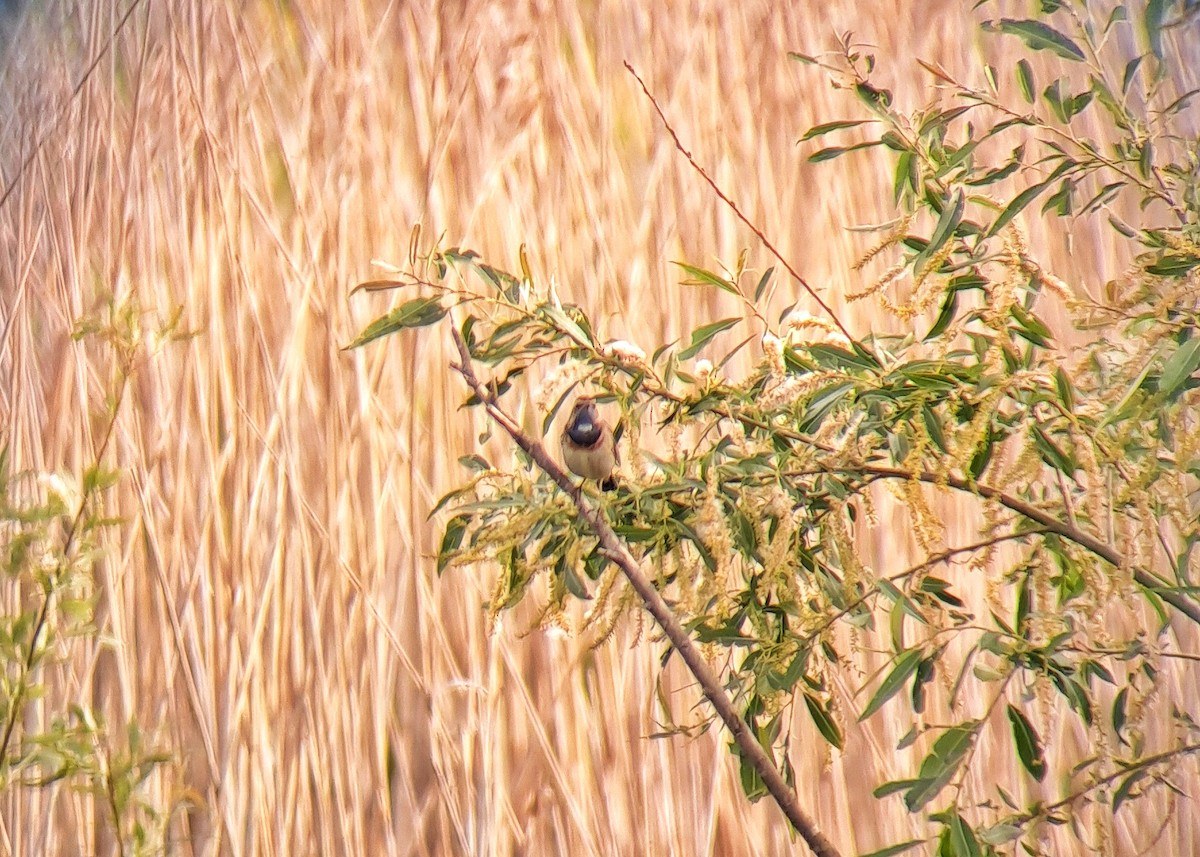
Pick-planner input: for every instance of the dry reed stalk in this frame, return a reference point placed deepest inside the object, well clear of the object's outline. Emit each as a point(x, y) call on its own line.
point(274, 607)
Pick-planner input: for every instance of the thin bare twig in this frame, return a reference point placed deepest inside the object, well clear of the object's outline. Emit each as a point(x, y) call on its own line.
point(618, 553)
point(734, 208)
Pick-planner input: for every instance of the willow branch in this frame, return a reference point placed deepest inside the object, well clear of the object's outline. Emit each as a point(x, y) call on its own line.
point(1081, 537)
point(618, 553)
point(737, 211)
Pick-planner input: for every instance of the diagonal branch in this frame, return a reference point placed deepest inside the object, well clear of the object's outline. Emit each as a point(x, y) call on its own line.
point(742, 217)
point(1084, 539)
point(617, 552)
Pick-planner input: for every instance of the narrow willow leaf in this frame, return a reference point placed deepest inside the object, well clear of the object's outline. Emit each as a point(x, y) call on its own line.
point(452, 538)
point(962, 838)
point(1039, 37)
point(1064, 388)
point(1181, 102)
point(701, 277)
point(1118, 714)
point(1131, 70)
point(418, 312)
point(906, 176)
point(1018, 204)
point(933, 427)
point(940, 765)
point(948, 311)
point(1054, 97)
point(1173, 265)
point(1077, 103)
point(1061, 201)
point(998, 174)
point(701, 336)
point(832, 152)
point(824, 722)
point(819, 130)
point(566, 325)
point(892, 787)
point(951, 216)
point(1052, 453)
point(1146, 160)
point(1025, 78)
point(378, 286)
point(1127, 784)
point(762, 283)
point(1102, 92)
point(999, 834)
point(1152, 23)
point(903, 601)
point(898, 848)
point(1180, 366)
point(1102, 197)
point(1029, 747)
point(905, 666)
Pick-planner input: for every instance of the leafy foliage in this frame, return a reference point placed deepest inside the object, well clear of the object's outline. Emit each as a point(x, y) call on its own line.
point(749, 502)
point(50, 539)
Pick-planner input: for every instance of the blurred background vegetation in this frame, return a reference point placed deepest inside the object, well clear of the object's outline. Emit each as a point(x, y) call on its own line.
point(269, 610)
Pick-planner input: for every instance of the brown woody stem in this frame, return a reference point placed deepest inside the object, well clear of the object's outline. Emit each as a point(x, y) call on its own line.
point(618, 553)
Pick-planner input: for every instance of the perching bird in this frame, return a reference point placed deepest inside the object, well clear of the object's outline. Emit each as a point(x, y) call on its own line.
point(587, 444)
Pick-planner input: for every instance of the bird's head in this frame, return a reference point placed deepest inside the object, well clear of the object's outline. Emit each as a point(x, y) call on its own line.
point(584, 425)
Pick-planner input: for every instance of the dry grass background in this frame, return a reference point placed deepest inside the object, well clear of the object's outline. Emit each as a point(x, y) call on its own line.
point(273, 610)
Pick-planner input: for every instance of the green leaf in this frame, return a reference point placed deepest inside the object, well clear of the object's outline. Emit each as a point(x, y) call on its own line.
point(951, 216)
point(1102, 197)
point(1131, 70)
point(701, 548)
point(1077, 103)
point(418, 312)
point(1119, 715)
point(1125, 787)
point(1029, 748)
point(1053, 95)
point(878, 100)
point(889, 590)
point(475, 463)
point(905, 666)
point(819, 130)
point(906, 176)
point(1180, 366)
point(1062, 200)
point(1038, 37)
point(933, 427)
point(898, 848)
point(1052, 454)
point(1153, 22)
point(946, 315)
point(1064, 388)
point(940, 765)
point(762, 283)
point(1173, 265)
point(998, 174)
point(822, 403)
point(828, 154)
point(1001, 833)
point(1025, 78)
point(564, 323)
point(825, 723)
point(1014, 208)
point(701, 336)
point(962, 838)
point(701, 277)
point(452, 538)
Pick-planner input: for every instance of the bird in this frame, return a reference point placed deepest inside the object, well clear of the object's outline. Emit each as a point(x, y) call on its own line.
point(587, 445)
